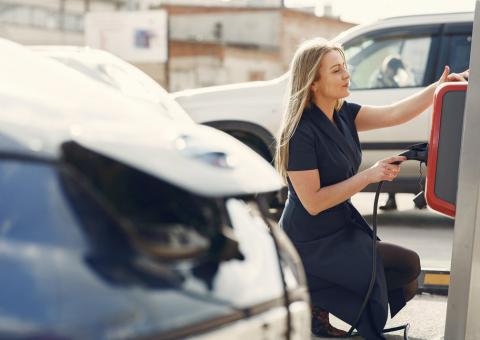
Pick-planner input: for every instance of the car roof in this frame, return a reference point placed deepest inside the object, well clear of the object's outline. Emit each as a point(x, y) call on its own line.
point(405, 21)
point(45, 104)
point(433, 17)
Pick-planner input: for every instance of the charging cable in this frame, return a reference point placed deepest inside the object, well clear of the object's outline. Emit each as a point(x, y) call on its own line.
point(417, 152)
point(374, 274)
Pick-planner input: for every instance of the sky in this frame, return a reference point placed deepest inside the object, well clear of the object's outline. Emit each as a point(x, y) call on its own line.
point(362, 11)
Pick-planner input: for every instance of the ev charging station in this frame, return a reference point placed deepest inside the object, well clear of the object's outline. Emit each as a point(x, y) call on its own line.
point(455, 150)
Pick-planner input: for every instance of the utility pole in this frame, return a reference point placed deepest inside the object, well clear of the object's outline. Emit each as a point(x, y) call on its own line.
point(131, 5)
point(464, 292)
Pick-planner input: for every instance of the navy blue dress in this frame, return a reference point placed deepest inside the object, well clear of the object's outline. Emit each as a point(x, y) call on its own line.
point(336, 244)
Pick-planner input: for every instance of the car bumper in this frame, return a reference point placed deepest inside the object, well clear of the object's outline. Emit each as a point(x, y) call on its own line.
point(270, 325)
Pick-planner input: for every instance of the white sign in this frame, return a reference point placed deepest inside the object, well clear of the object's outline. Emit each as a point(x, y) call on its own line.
point(133, 36)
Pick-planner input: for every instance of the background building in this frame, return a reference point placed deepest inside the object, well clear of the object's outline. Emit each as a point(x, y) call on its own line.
point(210, 42)
point(219, 45)
point(49, 21)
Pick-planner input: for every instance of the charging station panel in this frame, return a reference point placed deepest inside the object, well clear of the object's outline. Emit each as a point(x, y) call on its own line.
point(444, 147)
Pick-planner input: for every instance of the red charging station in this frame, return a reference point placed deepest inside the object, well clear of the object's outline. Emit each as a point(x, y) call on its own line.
point(444, 147)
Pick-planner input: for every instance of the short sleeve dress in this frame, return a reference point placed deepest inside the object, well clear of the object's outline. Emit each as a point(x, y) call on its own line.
point(336, 245)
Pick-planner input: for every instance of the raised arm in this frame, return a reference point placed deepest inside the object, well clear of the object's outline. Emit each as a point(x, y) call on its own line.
point(316, 199)
point(376, 117)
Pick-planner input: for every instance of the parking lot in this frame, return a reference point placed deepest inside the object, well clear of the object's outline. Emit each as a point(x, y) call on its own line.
point(139, 200)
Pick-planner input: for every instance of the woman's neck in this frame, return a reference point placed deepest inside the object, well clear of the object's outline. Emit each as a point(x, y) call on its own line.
point(327, 106)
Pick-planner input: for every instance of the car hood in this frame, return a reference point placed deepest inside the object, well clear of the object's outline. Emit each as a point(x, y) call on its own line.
point(199, 159)
point(259, 102)
point(45, 104)
point(257, 92)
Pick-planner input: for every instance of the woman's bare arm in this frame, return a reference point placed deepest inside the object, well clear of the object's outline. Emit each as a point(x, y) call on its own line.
point(316, 199)
point(376, 117)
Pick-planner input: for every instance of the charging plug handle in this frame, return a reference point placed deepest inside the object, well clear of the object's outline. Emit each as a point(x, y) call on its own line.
point(416, 152)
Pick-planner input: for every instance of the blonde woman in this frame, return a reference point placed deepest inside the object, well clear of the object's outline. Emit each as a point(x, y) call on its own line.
point(318, 155)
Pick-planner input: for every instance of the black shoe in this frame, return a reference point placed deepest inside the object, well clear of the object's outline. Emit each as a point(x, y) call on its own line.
point(391, 203)
point(321, 326)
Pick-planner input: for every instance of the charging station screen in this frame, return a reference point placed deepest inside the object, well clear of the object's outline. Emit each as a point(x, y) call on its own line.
point(444, 148)
point(448, 156)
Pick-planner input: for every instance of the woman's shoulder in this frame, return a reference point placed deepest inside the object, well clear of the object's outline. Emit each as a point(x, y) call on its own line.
point(305, 123)
point(349, 106)
point(304, 131)
point(350, 109)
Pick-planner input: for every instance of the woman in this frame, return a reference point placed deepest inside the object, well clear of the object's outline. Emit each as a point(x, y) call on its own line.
point(318, 154)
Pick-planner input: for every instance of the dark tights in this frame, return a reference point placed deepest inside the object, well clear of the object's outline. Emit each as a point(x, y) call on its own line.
point(402, 267)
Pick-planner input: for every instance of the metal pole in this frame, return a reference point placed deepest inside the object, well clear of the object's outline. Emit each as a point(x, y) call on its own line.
point(167, 63)
point(61, 15)
point(463, 306)
point(131, 5)
point(86, 6)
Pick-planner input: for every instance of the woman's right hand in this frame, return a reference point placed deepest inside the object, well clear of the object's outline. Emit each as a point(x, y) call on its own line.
point(459, 76)
point(384, 170)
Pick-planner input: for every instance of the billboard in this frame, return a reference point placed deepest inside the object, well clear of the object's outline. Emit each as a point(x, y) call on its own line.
point(140, 36)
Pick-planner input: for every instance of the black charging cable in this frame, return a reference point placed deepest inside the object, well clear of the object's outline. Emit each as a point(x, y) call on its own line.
point(418, 152)
point(374, 275)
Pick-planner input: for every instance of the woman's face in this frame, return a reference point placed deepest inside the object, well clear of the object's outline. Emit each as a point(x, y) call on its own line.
point(333, 77)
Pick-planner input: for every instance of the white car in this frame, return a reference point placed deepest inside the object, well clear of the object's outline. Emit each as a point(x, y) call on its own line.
point(388, 60)
point(121, 222)
point(114, 72)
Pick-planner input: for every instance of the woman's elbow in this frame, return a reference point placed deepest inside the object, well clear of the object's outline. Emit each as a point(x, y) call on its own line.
point(313, 210)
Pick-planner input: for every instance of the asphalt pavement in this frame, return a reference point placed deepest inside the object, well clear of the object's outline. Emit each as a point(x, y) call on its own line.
point(425, 314)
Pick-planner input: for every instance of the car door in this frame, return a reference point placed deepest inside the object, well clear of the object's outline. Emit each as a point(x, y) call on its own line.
point(455, 46)
point(387, 65)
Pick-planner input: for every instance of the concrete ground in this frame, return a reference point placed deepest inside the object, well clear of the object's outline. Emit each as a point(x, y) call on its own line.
point(426, 315)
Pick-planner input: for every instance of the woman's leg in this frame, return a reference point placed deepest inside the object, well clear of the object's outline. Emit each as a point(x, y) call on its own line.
point(402, 267)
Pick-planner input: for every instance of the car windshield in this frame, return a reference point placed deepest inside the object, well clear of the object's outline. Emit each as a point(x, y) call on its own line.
point(125, 78)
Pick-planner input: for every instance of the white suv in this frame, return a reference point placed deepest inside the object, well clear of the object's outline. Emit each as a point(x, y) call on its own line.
point(388, 60)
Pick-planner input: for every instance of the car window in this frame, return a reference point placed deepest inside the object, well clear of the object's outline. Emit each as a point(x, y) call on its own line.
point(34, 208)
point(459, 52)
point(376, 63)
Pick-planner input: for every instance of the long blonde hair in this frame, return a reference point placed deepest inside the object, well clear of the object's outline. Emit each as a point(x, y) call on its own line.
point(303, 72)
